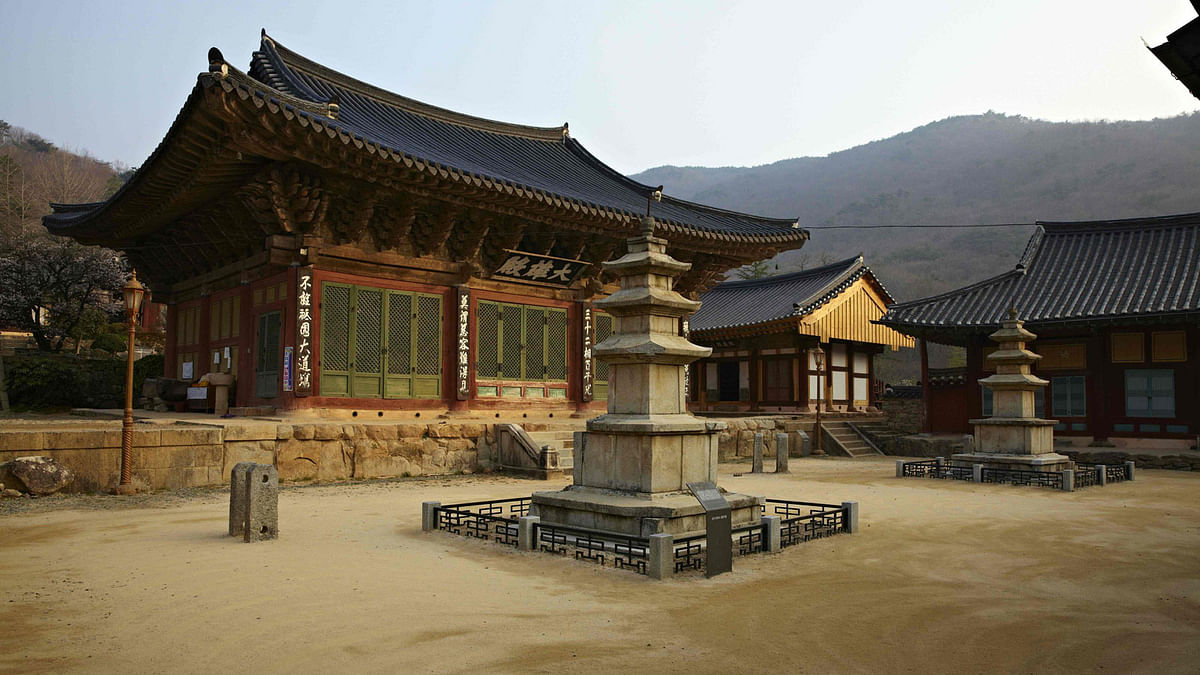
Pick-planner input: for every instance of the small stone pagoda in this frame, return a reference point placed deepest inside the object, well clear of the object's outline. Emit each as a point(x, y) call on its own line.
point(1014, 437)
point(633, 467)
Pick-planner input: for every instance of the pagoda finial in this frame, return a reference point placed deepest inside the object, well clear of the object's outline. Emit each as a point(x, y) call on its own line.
point(654, 196)
point(1012, 312)
point(648, 226)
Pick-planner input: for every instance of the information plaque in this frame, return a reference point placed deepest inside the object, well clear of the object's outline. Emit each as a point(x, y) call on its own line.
point(717, 526)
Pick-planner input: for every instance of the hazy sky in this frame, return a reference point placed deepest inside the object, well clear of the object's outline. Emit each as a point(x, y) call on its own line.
point(641, 83)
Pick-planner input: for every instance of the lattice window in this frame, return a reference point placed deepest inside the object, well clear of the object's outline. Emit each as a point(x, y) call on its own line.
point(556, 344)
point(604, 329)
point(429, 335)
point(511, 342)
point(487, 340)
point(535, 343)
point(368, 334)
point(335, 327)
point(400, 312)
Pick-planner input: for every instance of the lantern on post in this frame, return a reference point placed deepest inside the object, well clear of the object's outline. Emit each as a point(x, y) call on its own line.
point(133, 292)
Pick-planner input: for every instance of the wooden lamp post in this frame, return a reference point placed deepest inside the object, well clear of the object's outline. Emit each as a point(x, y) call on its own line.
point(819, 362)
point(133, 292)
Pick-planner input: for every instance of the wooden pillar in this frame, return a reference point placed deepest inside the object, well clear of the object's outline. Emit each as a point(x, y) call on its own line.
point(974, 375)
point(926, 390)
point(755, 379)
point(172, 331)
point(1098, 419)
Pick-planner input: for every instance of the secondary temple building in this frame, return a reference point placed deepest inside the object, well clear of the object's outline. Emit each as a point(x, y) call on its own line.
point(765, 333)
point(1115, 306)
point(332, 244)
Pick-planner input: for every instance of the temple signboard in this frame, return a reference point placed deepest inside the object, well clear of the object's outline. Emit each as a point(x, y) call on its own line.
point(545, 269)
point(462, 376)
point(304, 331)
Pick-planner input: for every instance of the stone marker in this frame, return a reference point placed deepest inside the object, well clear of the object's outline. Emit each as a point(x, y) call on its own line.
point(262, 503)
point(757, 466)
point(41, 475)
point(803, 444)
point(237, 498)
point(781, 453)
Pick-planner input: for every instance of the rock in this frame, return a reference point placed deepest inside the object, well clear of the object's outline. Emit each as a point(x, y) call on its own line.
point(8, 494)
point(41, 475)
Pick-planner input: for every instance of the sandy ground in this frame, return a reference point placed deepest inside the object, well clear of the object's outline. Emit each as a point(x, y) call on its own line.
point(945, 577)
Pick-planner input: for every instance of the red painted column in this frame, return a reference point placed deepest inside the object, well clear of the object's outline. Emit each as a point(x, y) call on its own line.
point(926, 389)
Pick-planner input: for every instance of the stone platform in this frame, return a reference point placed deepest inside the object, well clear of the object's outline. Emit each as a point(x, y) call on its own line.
point(676, 513)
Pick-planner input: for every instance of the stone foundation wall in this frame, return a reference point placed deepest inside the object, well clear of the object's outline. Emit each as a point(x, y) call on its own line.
point(193, 456)
point(738, 439)
point(903, 415)
point(1182, 462)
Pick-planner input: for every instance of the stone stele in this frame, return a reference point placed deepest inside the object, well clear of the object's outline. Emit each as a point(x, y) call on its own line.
point(632, 470)
point(1013, 437)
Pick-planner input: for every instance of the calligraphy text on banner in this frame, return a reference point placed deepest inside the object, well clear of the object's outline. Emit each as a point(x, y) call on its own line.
point(304, 331)
point(521, 266)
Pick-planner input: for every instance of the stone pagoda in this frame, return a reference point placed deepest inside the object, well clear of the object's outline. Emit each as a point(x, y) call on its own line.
point(634, 464)
point(1014, 437)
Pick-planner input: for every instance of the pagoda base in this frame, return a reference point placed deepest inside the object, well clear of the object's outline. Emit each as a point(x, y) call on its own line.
point(1047, 462)
point(637, 514)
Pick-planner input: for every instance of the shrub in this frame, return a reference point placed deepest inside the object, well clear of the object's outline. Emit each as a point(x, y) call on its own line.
point(110, 342)
point(55, 381)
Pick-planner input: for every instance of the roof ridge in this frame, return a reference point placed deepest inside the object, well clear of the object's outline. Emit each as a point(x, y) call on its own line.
point(1140, 222)
point(818, 298)
point(292, 60)
point(775, 278)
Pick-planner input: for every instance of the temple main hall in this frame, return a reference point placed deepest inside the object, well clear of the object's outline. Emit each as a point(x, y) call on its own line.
point(335, 245)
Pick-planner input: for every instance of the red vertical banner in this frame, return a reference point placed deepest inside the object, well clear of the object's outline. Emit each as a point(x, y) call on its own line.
point(462, 370)
point(304, 331)
point(587, 361)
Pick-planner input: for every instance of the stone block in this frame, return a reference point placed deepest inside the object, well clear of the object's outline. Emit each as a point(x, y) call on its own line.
point(745, 447)
point(238, 498)
point(146, 438)
point(772, 534)
point(177, 436)
point(262, 503)
point(335, 461)
point(297, 460)
point(726, 446)
point(353, 431)
point(327, 432)
point(380, 432)
point(283, 432)
point(472, 430)
point(411, 430)
point(250, 432)
point(233, 454)
point(303, 432)
point(68, 440)
point(803, 444)
point(445, 431)
point(20, 441)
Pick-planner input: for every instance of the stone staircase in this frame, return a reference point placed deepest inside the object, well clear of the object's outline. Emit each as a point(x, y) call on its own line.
point(881, 434)
point(838, 438)
point(563, 441)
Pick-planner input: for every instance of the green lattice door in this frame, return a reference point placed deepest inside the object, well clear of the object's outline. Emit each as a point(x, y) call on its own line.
point(335, 339)
point(414, 345)
point(380, 343)
point(366, 342)
point(520, 343)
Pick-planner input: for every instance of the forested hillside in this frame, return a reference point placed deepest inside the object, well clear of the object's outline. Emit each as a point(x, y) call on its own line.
point(989, 168)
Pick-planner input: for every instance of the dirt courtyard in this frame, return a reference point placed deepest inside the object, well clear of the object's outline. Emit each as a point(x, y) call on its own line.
point(945, 576)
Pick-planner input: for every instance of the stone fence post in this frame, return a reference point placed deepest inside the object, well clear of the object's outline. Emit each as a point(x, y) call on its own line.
point(527, 532)
point(977, 473)
point(757, 465)
point(1068, 480)
point(429, 516)
point(781, 453)
point(851, 516)
point(1101, 475)
point(899, 468)
point(772, 534)
point(1128, 470)
point(662, 556)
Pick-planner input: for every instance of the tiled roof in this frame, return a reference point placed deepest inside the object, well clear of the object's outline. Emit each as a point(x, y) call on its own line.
point(1109, 270)
point(753, 301)
point(1181, 54)
point(537, 161)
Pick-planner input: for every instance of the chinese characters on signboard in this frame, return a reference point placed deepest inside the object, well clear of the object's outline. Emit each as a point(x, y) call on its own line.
point(687, 369)
point(287, 368)
point(587, 353)
point(304, 331)
point(463, 376)
point(541, 268)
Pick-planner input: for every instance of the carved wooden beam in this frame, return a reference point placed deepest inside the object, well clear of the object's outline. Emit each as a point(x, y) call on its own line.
point(506, 233)
point(470, 228)
point(349, 214)
point(432, 229)
point(391, 222)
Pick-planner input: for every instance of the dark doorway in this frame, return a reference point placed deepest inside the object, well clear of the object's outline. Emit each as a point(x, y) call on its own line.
point(266, 369)
point(727, 380)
